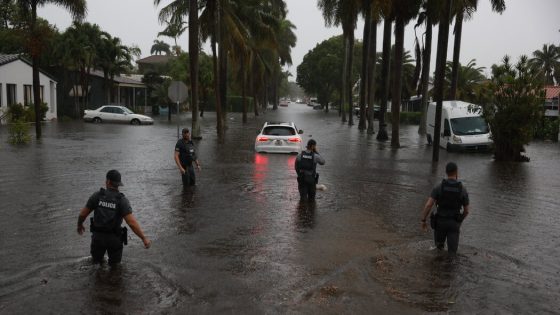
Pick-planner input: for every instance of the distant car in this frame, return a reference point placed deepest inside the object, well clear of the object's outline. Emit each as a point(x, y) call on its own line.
point(279, 137)
point(116, 113)
point(284, 103)
point(376, 111)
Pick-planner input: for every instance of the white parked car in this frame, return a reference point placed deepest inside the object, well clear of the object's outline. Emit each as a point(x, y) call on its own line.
point(116, 113)
point(279, 137)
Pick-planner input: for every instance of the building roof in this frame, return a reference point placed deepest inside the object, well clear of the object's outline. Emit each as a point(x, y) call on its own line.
point(121, 80)
point(5, 59)
point(155, 59)
point(552, 91)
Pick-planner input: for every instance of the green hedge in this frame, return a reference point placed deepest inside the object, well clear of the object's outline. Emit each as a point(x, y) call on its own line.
point(406, 118)
point(547, 129)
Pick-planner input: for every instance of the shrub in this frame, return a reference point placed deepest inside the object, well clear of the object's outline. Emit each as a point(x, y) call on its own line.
point(547, 129)
point(18, 133)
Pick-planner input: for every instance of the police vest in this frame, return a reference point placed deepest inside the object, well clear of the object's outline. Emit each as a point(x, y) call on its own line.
point(307, 162)
point(450, 201)
point(188, 154)
point(106, 216)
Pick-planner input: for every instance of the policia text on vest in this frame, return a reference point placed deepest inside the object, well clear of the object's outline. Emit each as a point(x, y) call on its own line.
point(109, 208)
point(449, 197)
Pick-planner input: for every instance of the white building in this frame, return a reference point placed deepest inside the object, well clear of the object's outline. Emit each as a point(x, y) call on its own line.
point(16, 85)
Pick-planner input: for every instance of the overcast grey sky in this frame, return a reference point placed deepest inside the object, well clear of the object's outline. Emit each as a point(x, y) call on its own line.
point(524, 27)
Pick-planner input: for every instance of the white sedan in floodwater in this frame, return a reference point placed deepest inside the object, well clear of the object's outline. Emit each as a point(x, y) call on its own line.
point(116, 113)
point(279, 137)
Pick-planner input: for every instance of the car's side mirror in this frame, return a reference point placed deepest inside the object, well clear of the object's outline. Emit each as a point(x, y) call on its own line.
point(300, 131)
point(446, 133)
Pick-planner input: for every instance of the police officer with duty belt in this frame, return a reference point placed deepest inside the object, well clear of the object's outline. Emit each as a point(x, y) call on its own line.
point(109, 208)
point(306, 164)
point(449, 196)
point(185, 155)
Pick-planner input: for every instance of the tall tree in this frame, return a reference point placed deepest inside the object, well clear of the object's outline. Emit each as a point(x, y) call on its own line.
point(385, 82)
point(193, 59)
point(465, 9)
point(345, 13)
point(404, 11)
point(443, 38)
point(547, 63)
point(77, 9)
point(160, 47)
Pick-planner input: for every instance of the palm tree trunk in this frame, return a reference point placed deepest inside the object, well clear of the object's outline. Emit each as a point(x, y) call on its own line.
point(397, 82)
point(364, 79)
point(219, 127)
point(345, 84)
point(35, 74)
point(426, 59)
point(456, 53)
point(223, 59)
point(443, 38)
point(193, 58)
point(372, 54)
point(243, 89)
point(349, 82)
point(385, 84)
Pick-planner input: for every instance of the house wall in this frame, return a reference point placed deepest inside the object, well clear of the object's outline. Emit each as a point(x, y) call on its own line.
point(20, 73)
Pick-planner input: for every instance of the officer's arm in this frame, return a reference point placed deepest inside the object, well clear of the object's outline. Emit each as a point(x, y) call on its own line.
point(427, 207)
point(81, 218)
point(131, 221)
point(319, 159)
point(178, 162)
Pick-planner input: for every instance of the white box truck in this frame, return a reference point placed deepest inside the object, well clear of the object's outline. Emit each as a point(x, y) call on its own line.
point(462, 127)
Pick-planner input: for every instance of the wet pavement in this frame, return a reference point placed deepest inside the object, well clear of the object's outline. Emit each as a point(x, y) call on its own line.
point(241, 242)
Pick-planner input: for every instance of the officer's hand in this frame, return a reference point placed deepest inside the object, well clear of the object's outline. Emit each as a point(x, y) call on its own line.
point(147, 243)
point(424, 226)
point(198, 167)
point(182, 171)
point(81, 229)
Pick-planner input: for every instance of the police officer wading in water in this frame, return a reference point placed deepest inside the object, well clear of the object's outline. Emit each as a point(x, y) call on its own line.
point(109, 208)
point(449, 196)
point(306, 164)
point(185, 155)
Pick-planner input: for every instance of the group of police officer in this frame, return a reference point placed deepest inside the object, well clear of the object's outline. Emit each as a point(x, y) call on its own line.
point(110, 206)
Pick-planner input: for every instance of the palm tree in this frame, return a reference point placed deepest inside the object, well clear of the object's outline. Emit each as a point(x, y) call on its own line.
point(345, 13)
point(404, 11)
point(174, 29)
point(160, 47)
point(469, 78)
point(465, 9)
point(443, 38)
point(113, 58)
point(546, 63)
point(77, 9)
point(429, 17)
point(385, 71)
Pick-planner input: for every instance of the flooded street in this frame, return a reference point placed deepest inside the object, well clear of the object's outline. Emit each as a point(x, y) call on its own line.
point(240, 242)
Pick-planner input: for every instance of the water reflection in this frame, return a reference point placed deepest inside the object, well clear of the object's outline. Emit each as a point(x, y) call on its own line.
point(108, 288)
point(305, 214)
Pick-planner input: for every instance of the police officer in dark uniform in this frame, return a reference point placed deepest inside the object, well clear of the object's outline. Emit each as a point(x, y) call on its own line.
point(449, 196)
point(185, 155)
point(306, 165)
point(109, 208)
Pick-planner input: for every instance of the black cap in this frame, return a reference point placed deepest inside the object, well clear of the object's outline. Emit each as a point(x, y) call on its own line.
point(311, 142)
point(185, 130)
point(451, 167)
point(115, 177)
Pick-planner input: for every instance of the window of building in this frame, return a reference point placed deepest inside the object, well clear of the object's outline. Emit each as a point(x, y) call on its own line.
point(27, 94)
point(11, 97)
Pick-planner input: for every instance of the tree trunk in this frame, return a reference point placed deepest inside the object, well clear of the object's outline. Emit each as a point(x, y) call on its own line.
point(37, 96)
point(219, 127)
point(456, 54)
point(243, 89)
point(397, 82)
point(345, 84)
point(385, 83)
point(371, 74)
point(193, 58)
point(223, 59)
point(349, 82)
point(274, 92)
point(364, 79)
point(443, 37)
point(425, 80)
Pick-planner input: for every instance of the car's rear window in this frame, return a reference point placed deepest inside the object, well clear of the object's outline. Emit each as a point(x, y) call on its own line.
point(279, 131)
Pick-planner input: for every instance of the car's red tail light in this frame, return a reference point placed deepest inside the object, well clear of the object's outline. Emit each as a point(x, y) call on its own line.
point(295, 140)
point(262, 139)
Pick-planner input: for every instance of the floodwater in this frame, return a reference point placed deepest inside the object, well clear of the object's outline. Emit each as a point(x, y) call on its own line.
point(240, 242)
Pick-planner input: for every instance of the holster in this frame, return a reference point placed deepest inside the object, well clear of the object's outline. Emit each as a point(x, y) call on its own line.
point(459, 217)
point(124, 235)
point(316, 178)
point(433, 221)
